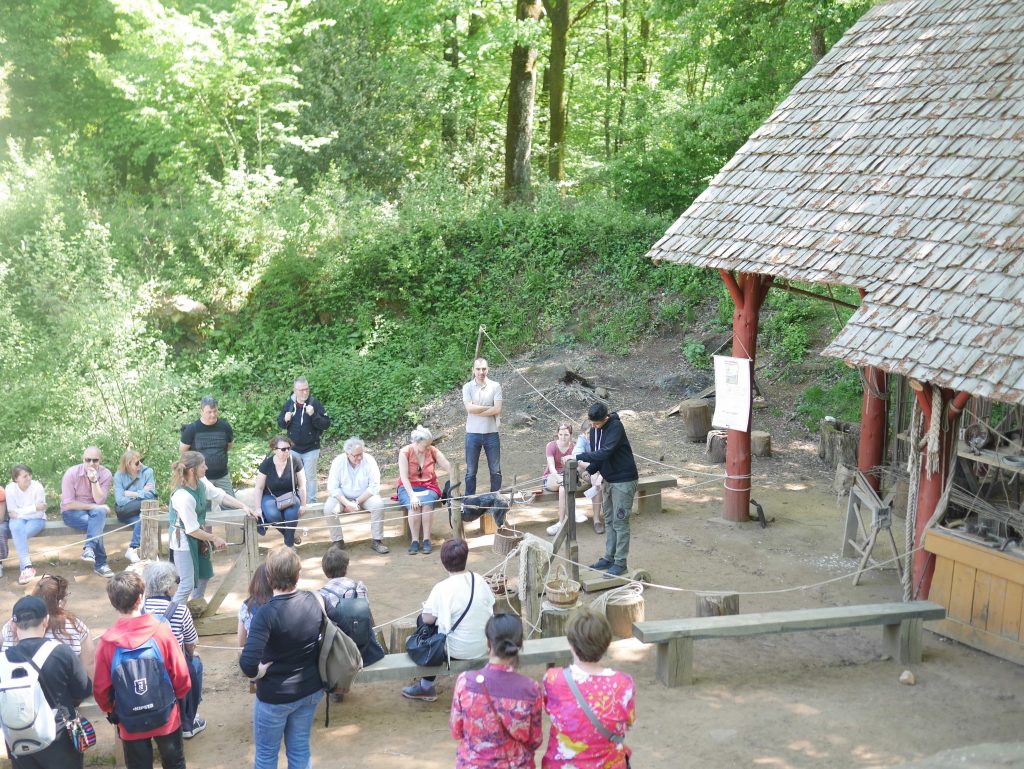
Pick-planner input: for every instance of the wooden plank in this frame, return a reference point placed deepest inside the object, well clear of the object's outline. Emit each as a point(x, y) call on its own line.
point(903, 641)
point(980, 601)
point(1013, 613)
point(942, 581)
point(1009, 567)
point(961, 592)
point(648, 483)
point(398, 667)
point(996, 605)
point(659, 631)
point(978, 638)
point(221, 624)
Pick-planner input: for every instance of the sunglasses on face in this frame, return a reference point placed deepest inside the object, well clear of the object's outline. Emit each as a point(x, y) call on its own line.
point(284, 448)
point(92, 460)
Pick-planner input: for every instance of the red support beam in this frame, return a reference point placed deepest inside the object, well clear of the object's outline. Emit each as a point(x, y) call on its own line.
point(874, 417)
point(930, 490)
point(748, 291)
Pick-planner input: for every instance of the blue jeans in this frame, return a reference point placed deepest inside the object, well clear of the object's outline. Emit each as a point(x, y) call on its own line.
point(130, 513)
point(492, 448)
point(21, 530)
point(617, 502)
point(288, 517)
point(190, 703)
point(92, 523)
point(291, 720)
point(308, 459)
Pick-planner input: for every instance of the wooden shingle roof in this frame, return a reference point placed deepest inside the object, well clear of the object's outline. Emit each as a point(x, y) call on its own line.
point(896, 165)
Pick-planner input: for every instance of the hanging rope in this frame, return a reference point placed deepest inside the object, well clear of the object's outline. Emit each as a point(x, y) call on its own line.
point(910, 524)
point(934, 432)
point(624, 595)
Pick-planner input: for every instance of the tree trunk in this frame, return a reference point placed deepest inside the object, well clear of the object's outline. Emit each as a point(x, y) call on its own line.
point(519, 126)
point(817, 43)
point(717, 604)
point(760, 443)
point(837, 443)
point(624, 84)
point(450, 115)
point(696, 413)
point(558, 14)
point(607, 84)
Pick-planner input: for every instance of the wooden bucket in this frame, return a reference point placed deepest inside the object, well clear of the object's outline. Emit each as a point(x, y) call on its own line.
point(506, 540)
point(562, 591)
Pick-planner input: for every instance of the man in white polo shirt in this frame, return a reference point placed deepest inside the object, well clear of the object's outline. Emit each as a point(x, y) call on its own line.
point(353, 484)
point(482, 398)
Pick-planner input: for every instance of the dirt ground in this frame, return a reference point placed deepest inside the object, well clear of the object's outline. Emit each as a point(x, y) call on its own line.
point(818, 699)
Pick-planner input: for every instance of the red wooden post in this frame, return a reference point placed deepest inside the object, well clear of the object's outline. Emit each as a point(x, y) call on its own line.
point(874, 416)
point(748, 291)
point(930, 490)
point(873, 420)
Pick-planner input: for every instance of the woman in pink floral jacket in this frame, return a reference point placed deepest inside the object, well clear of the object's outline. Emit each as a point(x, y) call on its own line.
point(591, 706)
point(496, 712)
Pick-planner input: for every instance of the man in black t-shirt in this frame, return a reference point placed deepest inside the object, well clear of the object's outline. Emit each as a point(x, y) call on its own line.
point(62, 678)
point(211, 437)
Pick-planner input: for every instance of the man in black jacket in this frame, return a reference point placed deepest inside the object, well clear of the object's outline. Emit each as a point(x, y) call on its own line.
point(612, 456)
point(305, 419)
point(62, 678)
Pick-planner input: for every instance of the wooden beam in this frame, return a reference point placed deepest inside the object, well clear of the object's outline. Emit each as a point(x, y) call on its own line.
point(803, 292)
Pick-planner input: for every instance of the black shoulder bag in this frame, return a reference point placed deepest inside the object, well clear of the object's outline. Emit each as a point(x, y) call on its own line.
point(428, 646)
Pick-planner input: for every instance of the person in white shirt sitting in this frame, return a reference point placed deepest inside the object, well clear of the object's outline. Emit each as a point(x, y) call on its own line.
point(353, 484)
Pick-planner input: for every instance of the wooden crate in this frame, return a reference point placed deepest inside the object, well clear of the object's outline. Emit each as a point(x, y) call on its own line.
point(983, 592)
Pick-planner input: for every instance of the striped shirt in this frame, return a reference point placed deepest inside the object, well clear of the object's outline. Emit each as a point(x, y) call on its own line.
point(181, 623)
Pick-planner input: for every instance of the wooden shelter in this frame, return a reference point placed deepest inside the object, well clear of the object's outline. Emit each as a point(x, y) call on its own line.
point(895, 166)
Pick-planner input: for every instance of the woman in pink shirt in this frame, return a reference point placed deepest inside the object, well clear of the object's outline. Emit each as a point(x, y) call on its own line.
point(496, 712)
point(590, 705)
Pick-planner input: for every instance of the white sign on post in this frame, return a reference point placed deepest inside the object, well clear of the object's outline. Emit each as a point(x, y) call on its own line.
point(732, 393)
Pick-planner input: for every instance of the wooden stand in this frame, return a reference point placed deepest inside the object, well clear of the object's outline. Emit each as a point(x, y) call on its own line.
point(717, 448)
point(149, 544)
point(243, 568)
point(760, 443)
point(621, 616)
point(717, 604)
point(696, 414)
point(553, 619)
point(863, 497)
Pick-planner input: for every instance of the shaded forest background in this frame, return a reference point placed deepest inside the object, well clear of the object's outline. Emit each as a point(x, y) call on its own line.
point(220, 196)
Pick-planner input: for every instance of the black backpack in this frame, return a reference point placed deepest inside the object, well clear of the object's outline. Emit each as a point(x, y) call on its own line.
point(352, 614)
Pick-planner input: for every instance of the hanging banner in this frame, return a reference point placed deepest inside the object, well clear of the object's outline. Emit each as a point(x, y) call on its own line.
point(732, 393)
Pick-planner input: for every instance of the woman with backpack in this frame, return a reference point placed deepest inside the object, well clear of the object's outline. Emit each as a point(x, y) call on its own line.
point(282, 653)
point(347, 604)
point(496, 712)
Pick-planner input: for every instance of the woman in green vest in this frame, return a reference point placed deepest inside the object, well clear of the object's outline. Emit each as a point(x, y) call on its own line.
point(190, 543)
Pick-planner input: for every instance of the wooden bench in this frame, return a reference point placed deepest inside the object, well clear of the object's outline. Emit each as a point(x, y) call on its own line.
point(399, 666)
point(648, 493)
point(901, 631)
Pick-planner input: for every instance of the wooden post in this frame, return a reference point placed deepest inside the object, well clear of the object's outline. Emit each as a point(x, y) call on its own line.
point(479, 342)
point(696, 414)
point(572, 548)
point(674, 662)
point(242, 569)
point(930, 490)
point(748, 291)
point(553, 620)
point(621, 616)
point(457, 526)
point(717, 604)
point(149, 544)
point(532, 591)
point(874, 418)
point(400, 631)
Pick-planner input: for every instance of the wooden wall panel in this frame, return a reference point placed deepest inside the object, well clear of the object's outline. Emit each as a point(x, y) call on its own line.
point(961, 594)
point(1013, 612)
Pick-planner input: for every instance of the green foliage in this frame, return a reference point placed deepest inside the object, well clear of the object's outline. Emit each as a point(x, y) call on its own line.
point(696, 354)
point(838, 394)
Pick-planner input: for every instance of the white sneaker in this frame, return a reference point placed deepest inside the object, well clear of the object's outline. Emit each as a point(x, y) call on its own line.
point(581, 518)
point(88, 555)
point(27, 575)
point(132, 555)
point(554, 528)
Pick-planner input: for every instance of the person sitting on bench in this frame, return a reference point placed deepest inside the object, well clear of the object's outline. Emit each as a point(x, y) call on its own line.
point(83, 496)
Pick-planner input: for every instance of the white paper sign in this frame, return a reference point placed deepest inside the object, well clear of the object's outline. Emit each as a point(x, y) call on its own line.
point(732, 393)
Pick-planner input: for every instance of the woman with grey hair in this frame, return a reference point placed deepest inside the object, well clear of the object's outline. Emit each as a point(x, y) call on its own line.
point(417, 485)
point(161, 583)
point(353, 484)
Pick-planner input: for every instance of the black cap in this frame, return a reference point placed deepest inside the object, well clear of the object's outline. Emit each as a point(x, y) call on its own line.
point(597, 411)
point(29, 610)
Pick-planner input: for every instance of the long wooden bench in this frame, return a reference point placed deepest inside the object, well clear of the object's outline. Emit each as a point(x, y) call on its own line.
point(901, 631)
point(648, 493)
point(399, 666)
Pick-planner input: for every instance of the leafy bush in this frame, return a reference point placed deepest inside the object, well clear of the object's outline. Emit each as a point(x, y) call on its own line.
point(838, 394)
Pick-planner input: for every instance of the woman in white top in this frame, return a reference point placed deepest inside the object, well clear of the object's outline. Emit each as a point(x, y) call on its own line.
point(26, 512)
point(463, 591)
point(189, 541)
